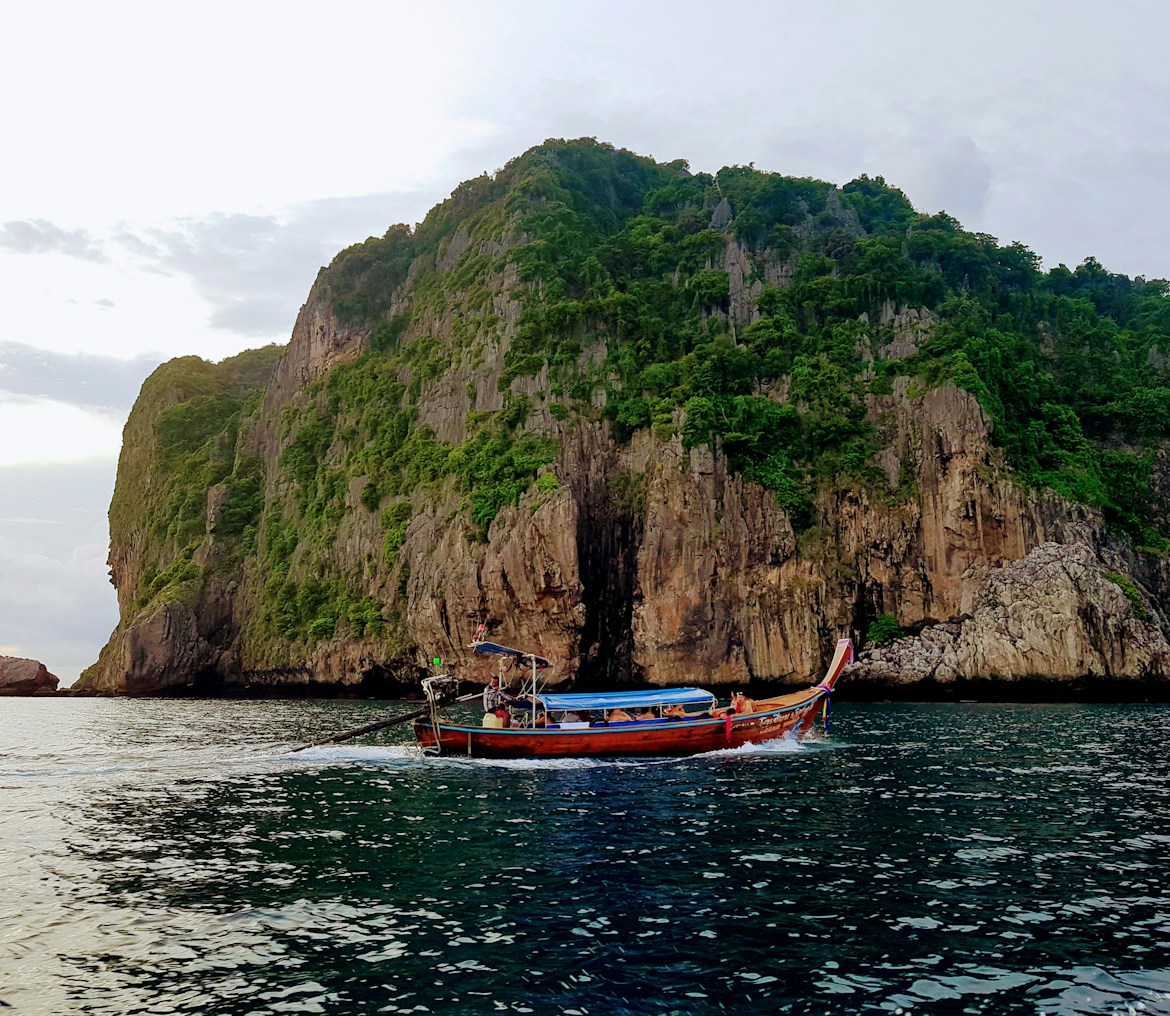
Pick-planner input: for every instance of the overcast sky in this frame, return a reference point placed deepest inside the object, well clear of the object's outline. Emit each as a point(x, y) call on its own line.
point(174, 176)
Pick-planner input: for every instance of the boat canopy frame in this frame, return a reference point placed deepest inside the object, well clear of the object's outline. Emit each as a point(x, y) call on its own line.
point(649, 698)
point(538, 664)
point(495, 649)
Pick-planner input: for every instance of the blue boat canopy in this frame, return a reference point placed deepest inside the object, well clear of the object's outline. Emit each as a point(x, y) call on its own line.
point(628, 699)
point(517, 654)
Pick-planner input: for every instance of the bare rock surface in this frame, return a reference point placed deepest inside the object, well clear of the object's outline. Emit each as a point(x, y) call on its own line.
point(523, 584)
point(19, 676)
point(1054, 614)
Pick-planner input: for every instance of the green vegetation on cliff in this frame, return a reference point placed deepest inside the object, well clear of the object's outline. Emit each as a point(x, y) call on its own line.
point(179, 443)
point(884, 631)
point(618, 250)
point(1126, 585)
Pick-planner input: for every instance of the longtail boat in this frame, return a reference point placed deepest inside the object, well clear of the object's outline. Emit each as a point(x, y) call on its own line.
point(656, 722)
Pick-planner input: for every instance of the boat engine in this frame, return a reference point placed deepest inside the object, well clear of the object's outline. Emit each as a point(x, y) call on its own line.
point(441, 690)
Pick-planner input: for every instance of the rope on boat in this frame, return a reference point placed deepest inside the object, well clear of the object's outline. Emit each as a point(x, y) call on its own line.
point(825, 708)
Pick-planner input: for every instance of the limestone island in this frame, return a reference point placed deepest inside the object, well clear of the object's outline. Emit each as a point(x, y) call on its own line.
point(668, 428)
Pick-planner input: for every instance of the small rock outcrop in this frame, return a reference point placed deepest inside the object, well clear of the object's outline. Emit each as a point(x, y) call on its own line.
point(19, 676)
point(1058, 614)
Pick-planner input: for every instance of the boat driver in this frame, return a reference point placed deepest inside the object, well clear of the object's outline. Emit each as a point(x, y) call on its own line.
point(494, 697)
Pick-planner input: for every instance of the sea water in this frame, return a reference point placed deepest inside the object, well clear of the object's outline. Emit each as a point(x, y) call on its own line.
point(174, 857)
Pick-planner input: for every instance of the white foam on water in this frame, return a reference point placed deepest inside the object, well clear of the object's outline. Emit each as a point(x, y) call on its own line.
point(776, 746)
point(381, 754)
point(414, 755)
point(410, 754)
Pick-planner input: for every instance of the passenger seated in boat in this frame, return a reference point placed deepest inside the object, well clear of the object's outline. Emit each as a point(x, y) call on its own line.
point(619, 716)
point(647, 714)
point(522, 716)
point(742, 704)
point(675, 712)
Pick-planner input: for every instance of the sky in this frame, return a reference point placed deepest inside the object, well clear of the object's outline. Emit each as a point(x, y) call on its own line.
point(174, 176)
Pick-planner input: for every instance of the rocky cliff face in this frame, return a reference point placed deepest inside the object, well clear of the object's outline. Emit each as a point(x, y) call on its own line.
point(335, 514)
point(19, 676)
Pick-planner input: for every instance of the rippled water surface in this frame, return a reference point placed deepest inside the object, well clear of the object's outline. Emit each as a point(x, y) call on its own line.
point(171, 857)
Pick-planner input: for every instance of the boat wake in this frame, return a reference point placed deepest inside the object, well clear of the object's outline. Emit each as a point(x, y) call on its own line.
point(776, 746)
point(409, 754)
point(381, 754)
point(413, 755)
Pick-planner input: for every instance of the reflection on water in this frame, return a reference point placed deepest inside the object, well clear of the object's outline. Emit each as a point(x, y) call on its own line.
point(171, 857)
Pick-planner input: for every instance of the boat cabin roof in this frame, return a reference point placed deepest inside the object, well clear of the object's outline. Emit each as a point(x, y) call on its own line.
point(627, 699)
point(495, 649)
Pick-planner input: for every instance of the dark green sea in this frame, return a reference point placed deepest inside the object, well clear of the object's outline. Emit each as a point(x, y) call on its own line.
point(171, 857)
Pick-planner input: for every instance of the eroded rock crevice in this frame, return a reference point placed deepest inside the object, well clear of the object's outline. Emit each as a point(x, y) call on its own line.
point(609, 494)
point(608, 540)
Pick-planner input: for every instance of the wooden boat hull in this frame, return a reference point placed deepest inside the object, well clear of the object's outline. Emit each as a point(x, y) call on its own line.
point(686, 737)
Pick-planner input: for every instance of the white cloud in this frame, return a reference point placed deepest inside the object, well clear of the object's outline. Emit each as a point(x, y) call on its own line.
point(55, 303)
point(80, 379)
point(938, 171)
point(37, 430)
point(41, 237)
point(255, 270)
point(147, 112)
point(60, 607)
